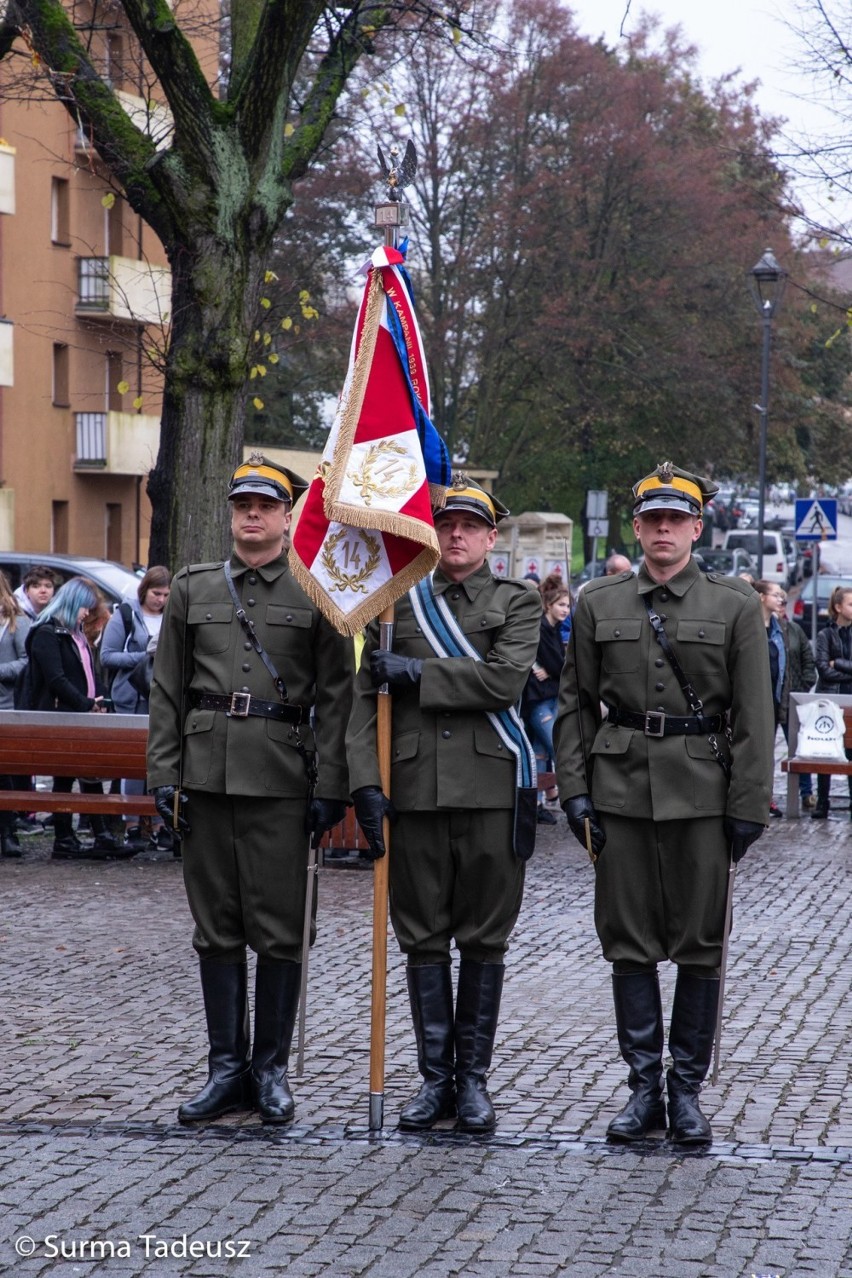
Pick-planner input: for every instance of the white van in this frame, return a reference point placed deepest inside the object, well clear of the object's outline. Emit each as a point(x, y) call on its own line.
point(774, 566)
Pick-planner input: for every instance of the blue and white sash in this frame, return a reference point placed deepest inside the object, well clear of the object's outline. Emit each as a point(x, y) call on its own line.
point(446, 639)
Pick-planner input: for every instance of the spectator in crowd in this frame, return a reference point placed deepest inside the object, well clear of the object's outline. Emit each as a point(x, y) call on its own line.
point(36, 591)
point(803, 675)
point(834, 670)
point(542, 689)
point(127, 657)
point(14, 627)
point(772, 607)
point(63, 678)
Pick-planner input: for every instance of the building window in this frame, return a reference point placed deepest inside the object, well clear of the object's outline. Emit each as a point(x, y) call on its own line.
point(60, 393)
point(59, 527)
point(60, 219)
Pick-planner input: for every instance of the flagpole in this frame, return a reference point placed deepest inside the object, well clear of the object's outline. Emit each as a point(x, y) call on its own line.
point(390, 216)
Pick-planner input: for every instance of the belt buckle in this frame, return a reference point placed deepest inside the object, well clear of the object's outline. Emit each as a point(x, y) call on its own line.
point(660, 729)
point(240, 702)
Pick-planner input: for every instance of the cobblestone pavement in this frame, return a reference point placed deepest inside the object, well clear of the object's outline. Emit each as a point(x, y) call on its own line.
point(103, 1036)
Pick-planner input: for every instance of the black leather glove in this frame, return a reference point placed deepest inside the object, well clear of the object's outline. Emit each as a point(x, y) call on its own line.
point(741, 835)
point(164, 801)
point(324, 815)
point(576, 810)
point(371, 804)
point(398, 672)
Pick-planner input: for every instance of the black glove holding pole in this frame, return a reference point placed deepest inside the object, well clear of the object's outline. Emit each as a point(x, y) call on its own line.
point(399, 673)
point(578, 810)
point(741, 835)
point(324, 815)
point(164, 802)
point(371, 806)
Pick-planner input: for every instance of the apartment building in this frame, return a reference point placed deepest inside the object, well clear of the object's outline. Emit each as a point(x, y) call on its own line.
point(84, 301)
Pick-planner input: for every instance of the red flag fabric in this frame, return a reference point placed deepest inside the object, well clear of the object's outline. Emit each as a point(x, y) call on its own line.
point(364, 533)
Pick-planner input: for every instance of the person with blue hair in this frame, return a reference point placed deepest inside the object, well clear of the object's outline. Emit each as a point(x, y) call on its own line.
point(62, 677)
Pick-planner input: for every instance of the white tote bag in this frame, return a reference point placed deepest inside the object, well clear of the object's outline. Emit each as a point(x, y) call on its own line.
point(820, 731)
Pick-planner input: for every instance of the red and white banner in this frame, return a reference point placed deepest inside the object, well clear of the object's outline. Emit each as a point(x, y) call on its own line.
point(364, 532)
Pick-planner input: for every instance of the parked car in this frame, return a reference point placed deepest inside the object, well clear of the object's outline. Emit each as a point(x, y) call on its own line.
point(730, 563)
point(749, 513)
point(772, 566)
point(803, 608)
point(115, 582)
point(589, 570)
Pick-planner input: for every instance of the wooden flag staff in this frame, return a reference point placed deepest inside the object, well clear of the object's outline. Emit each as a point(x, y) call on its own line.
point(390, 216)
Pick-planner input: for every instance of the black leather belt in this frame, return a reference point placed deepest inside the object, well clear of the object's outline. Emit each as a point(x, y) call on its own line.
point(656, 723)
point(240, 705)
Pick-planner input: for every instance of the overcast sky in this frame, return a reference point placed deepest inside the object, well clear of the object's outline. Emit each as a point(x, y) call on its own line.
point(753, 35)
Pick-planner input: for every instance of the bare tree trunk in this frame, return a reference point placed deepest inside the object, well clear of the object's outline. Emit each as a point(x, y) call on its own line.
point(215, 294)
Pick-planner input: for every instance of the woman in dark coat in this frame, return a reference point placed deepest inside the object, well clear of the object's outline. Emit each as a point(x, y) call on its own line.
point(834, 668)
point(539, 702)
point(62, 677)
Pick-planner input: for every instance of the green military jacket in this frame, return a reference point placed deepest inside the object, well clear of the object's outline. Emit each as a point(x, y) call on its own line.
point(203, 648)
point(716, 629)
point(444, 752)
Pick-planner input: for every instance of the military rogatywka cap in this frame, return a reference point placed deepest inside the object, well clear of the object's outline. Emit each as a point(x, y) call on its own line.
point(464, 494)
point(259, 475)
point(670, 488)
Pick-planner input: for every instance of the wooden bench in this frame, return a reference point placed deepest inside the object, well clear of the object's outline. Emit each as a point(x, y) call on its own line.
point(794, 767)
point(43, 743)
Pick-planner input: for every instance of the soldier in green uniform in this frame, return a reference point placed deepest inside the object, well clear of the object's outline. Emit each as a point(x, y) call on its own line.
point(240, 749)
point(454, 872)
point(669, 785)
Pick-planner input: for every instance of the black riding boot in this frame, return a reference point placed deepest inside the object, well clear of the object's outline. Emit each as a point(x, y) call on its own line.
point(693, 1027)
point(430, 989)
point(477, 1010)
point(639, 1021)
point(228, 1086)
point(276, 998)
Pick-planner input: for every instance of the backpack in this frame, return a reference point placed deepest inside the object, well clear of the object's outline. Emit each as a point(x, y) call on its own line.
point(108, 675)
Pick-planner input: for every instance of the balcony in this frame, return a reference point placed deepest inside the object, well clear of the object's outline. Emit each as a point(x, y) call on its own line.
point(126, 289)
point(116, 443)
point(7, 177)
point(7, 353)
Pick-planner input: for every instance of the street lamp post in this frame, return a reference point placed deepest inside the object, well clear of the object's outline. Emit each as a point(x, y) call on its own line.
point(767, 288)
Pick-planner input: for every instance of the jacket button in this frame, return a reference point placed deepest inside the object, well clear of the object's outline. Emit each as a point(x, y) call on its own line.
point(663, 708)
point(209, 616)
point(663, 596)
point(499, 745)
point(455, 595)
point(663, 617)
point(659, 687)
point(252, 581)
point(446, 734)
point(194, 723)
point(245, 688)
point(250, 603)
point(701, 634)
point(247, 646)
point(606, 745)
point(617, 634)
point(419, 631)
point(484, 621)
point(659, 662)
point(246, 666)
point(289, 617)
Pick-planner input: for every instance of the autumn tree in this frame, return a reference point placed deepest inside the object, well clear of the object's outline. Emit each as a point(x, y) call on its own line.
point(245, 130)
point(586, 222)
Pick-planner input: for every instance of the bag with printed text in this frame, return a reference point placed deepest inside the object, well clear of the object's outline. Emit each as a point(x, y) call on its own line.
point(820, 731)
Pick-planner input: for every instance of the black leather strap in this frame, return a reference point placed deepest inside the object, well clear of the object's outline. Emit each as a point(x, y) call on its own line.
point(654, 723)
point(239, 705)
point(248, 627)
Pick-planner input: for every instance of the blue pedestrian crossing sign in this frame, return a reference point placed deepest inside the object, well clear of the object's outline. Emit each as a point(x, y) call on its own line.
point(816, 519)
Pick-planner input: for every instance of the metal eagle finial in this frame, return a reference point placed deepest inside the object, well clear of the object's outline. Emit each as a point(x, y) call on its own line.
point(399, 175)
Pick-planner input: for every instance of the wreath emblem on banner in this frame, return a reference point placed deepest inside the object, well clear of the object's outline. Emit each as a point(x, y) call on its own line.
point(380, 459)
point(339, 574)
